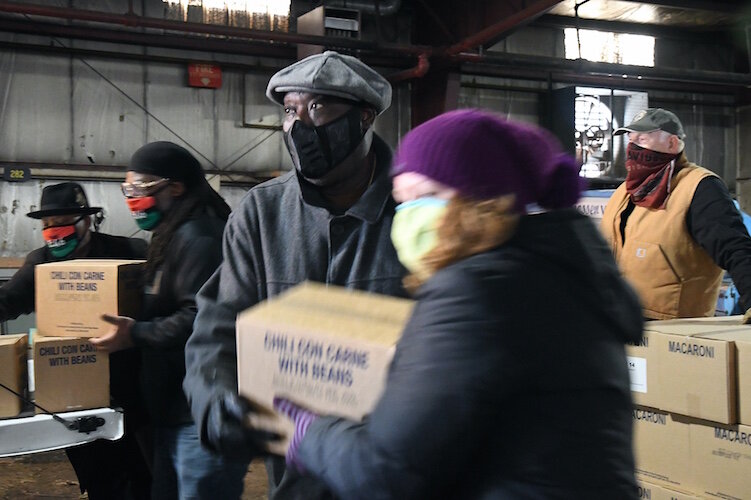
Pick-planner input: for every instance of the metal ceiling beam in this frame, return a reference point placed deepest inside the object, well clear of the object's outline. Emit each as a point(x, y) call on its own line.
point(728, 6)
point(692, 33)
point(172, 41)
point(603, 74)
point(133, 56)
point(135, 21)
point(181, 42)
point(492, 32)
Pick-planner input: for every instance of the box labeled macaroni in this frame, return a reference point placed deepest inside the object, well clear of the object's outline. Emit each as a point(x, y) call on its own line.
point(661, 448)
point(721, 460)
point(324, 347)
point(72, 295)
point(697, 366)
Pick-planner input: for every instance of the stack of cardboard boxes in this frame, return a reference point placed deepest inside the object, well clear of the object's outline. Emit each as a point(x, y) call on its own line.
point(691, 382)
point(69, 372)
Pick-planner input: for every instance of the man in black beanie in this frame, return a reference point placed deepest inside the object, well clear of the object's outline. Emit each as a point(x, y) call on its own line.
point(105, 469)
point(167, 193)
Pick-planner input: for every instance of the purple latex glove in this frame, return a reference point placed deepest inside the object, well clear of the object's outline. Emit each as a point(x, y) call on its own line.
point(302, 418)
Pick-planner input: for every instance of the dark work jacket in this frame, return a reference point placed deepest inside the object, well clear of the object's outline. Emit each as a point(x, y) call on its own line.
point(166, 319)
point(281, 234)
point(17, 297)
point(510, 381)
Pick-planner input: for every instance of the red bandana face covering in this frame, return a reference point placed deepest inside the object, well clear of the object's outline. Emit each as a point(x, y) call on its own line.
point(648, 177)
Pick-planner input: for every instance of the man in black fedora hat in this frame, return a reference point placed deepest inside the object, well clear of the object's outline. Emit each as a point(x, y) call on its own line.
point(106, 469)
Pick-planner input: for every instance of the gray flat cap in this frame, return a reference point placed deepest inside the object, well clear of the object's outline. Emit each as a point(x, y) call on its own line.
point(332, 73)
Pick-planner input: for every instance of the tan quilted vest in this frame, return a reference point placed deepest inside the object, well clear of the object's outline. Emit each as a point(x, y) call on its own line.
point(673, 276)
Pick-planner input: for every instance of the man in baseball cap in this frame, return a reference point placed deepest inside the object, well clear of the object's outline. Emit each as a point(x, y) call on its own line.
point(652, 119)
point(327, 220)
point(673, 226)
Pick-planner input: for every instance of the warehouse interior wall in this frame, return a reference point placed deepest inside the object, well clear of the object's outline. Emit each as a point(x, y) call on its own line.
point(85, 115)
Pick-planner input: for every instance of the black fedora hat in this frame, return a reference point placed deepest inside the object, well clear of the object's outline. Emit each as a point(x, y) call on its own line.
point(66, 198)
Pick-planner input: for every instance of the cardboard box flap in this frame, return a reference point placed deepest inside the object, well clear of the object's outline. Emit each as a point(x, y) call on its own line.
point(378, 307)
point(77, 263)
point(694, 326)
point(366, 316)
point(12, 339)
point(730, 336)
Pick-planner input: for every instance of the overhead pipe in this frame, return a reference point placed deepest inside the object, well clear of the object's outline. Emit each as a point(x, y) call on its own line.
point(418, 71)
point(172, 41)
point(621, 71)
point(513, 21)
point(423, 64)
point(373, 7)
point(133, 20)
point(604, 74)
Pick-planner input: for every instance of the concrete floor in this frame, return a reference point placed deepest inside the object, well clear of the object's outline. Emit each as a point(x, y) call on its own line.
point(50, 476)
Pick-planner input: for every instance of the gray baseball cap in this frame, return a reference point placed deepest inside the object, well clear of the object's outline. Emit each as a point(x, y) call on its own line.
point(653, 119)
point(333, 74)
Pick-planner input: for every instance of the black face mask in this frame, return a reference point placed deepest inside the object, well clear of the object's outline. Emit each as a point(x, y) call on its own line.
point(316, 151)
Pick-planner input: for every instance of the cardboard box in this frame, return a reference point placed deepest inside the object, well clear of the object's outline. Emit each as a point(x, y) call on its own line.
point(696, 367)
point(70, 374)
point(741, 340)
point(743, 359)
point(324, 347)
point(661, 448)
point(721, 460)
point(649, 491)
point(12, 373)
point(642, 369)
point(72, 295)
point(693, 326)
point(697, 377)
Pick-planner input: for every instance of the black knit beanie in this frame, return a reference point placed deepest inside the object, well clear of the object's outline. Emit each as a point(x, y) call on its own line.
point(168, 160)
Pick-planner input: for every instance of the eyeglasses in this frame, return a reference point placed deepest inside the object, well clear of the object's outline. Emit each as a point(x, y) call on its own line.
point(141, 189)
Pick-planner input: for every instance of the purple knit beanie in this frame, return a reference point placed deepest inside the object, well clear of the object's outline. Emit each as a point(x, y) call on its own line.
point(485, 156)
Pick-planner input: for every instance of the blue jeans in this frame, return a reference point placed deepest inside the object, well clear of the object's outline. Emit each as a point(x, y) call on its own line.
point(183, 469)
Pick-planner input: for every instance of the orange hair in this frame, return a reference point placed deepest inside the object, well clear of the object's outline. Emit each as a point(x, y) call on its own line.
point(469, 227)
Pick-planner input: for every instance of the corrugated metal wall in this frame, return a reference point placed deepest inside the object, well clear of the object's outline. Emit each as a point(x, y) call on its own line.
point(63, 109)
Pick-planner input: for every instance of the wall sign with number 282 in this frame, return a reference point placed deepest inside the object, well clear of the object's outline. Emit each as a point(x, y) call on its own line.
point(16, 174)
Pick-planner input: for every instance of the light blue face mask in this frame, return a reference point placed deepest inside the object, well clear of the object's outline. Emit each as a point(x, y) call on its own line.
point(414, 231)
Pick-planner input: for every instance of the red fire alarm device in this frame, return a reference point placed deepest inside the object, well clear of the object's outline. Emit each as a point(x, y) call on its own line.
point(207, 76)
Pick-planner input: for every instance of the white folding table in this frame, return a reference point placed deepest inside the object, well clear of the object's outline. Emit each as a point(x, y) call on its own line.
point(37, 433)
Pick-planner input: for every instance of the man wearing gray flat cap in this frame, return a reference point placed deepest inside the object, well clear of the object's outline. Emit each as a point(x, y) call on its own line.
point(328, 220)
point(672, 225)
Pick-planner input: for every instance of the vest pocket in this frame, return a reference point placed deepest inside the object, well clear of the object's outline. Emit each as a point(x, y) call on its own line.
point(650, 272)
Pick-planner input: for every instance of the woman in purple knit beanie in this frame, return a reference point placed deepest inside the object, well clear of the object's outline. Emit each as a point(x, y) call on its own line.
point(482, 156)
point(518, 330)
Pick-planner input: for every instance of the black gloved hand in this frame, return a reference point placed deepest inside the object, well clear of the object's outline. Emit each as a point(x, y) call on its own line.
point(228, 432)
